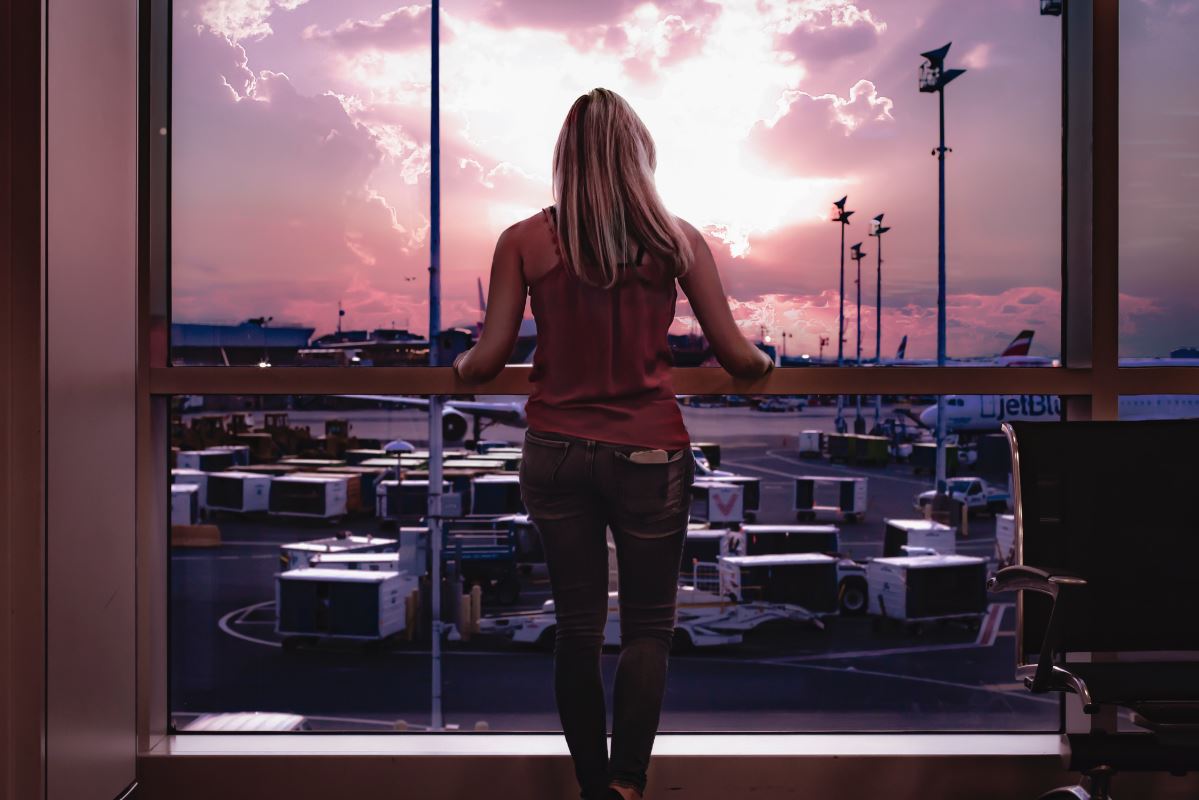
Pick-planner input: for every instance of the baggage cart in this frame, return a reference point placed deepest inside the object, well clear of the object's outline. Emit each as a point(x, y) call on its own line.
point(824, 497)
point(899, 533)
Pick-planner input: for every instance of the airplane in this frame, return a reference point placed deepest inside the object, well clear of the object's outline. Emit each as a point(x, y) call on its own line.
point(1014, 355)
point(984, 413)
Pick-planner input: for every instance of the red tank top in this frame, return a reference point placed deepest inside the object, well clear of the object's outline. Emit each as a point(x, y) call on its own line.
point(601, 368)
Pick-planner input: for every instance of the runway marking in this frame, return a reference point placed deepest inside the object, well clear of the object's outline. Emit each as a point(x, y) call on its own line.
point(988, 632)
point(793, 475)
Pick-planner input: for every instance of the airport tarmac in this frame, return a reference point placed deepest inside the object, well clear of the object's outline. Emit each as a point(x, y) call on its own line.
point(783, 676)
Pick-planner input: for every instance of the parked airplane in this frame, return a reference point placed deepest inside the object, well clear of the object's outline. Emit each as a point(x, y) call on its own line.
point(983, 413)
point(1014, 355)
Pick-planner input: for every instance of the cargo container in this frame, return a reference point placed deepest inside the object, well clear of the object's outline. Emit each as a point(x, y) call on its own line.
point(808, 580)
point(824, 497)
point(185, 504)
point(313, 496)
point(238, 492)
point(192, 476)
point(406, 500)
point(752, 540)
point(205, 460)
point(297, 555)
point(341, 603)
point(811, 444)
point(717, 501)
point(496, 494)
point(751, 495)
point(927, 588)
point(917, 533)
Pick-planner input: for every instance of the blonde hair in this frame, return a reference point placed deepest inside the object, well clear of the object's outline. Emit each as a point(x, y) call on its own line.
point(604, 188)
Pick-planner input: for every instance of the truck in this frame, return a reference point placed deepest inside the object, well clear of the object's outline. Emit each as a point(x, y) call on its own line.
point(978, 496)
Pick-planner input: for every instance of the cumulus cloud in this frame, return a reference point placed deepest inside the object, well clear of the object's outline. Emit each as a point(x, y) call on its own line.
point(816, 133)
point(403, 28)
point(239, 20)
point(275, 206)
point(820, 31)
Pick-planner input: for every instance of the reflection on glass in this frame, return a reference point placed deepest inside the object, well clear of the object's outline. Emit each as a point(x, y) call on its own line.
point(300, 563)
point(1159, 175)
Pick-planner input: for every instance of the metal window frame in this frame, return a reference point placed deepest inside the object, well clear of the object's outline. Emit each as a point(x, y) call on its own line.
point(1090, 382)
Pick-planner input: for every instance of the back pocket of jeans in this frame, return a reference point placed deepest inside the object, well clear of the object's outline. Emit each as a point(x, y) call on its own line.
point(651, 488)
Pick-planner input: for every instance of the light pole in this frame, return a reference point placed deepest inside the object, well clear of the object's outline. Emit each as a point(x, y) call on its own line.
point(843, 218)
point(857, 255)
point(436, 447)
point(878, 229)
point(823, 344)
point(933, 78)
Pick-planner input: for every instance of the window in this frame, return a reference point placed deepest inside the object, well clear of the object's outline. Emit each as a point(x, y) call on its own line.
point(997, 246)
point(301, 549)
point(1159, 125)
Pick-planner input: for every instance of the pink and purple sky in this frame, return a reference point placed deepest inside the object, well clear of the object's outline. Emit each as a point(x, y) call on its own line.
point(301, 157)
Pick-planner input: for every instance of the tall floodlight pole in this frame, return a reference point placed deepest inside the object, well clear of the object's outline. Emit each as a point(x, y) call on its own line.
point(933, 78)
point(857, 255)
point(843, 218)
point(433, 515)
point(878, 229)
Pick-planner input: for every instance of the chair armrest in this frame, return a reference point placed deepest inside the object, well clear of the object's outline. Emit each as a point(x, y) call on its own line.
point(1032, 579)
point(1019, 576)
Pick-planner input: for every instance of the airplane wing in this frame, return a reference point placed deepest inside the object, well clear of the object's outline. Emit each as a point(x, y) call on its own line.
point(494, 409)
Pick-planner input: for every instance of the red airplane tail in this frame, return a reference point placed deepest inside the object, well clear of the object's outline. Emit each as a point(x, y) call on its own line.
point(1020, 345)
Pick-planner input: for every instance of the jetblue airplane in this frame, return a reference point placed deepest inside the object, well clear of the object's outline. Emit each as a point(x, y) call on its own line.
point(984, 413)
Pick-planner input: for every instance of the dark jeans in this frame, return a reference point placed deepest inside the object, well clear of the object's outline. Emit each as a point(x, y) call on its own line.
point(574, 489)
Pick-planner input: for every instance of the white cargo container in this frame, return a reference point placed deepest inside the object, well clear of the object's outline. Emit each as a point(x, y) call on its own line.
point(368, 562)
point(185, 504)
point(242, 492)
point(924, 533)
point(241, 453)
point(297, 555)
point(821, 497)
point(206, 460)
point(751, 492)
point(916, 588)
point(193, 476)
point(404, 500)
point(717, 501)
point(809, 444)
point(309, 496)
point(752, 540)
point(1005, 539)
point(341, 603)
point(808, 580)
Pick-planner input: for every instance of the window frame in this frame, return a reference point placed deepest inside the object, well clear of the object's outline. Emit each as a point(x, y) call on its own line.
point(1090, 383)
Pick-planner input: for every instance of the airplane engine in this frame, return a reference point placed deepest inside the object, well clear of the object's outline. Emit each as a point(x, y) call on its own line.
point(454, 425)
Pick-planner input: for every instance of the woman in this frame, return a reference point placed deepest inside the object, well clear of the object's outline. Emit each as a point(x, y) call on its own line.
point(606, 445)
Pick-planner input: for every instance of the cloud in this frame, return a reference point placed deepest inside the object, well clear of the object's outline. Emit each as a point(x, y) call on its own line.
point(405, 27)
point(820, 134)
point(827, 30)
point(279, 206)
point(239, 20)
point(977, 57)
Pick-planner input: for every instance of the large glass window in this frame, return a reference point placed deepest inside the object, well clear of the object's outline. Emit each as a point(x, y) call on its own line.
point(301, 158)
point(1159, 177)
point(817, 577)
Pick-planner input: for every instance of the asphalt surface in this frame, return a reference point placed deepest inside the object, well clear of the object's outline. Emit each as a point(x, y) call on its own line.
point(853, 675)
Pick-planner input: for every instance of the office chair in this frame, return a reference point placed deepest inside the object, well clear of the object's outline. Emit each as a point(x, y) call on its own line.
point(1107, 548)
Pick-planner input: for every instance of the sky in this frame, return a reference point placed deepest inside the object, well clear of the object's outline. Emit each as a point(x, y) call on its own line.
point(301, 157)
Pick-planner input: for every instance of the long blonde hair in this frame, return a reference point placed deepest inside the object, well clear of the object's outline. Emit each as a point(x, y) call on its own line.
point(604, 164)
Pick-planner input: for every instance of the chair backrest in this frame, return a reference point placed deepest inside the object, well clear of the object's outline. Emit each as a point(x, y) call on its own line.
point(1118, 504)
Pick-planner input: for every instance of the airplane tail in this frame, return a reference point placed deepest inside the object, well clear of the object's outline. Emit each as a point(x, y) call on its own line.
point(1020, 345)
point(903, 349)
